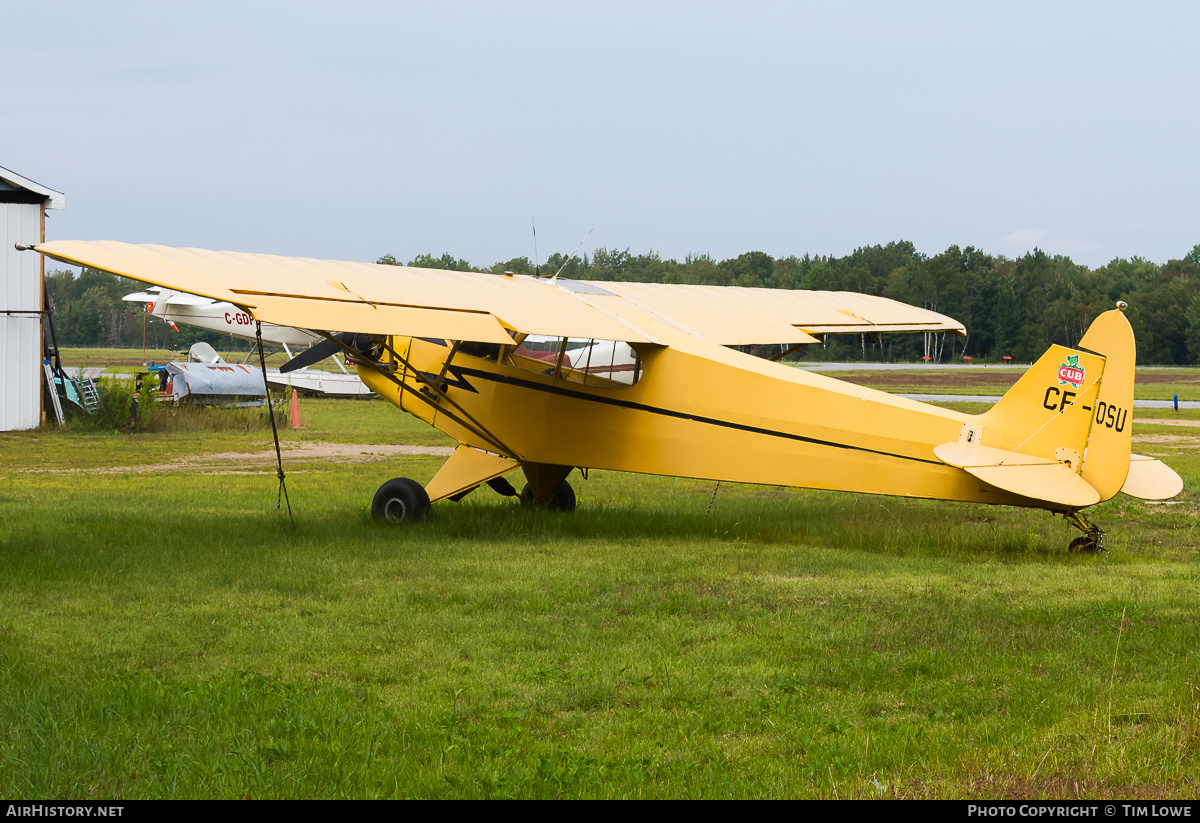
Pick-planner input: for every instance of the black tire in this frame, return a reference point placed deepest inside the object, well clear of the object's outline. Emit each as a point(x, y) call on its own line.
point(1083, 545)
point(400, 500)
point(562, 499)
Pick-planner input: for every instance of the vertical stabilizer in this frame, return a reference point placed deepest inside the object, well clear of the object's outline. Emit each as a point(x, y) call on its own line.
point(1048, 413)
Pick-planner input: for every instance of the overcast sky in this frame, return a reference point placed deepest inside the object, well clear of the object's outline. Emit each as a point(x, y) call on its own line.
point(353, 130)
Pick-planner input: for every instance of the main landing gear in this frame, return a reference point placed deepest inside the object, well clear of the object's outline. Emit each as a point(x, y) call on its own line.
point(1093, 538)
point(561, 499)
point(400, 500)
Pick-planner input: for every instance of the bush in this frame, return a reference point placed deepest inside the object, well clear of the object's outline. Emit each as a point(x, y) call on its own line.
point(118, 399)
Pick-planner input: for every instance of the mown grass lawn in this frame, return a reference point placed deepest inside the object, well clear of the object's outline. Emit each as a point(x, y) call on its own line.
point(171, 633)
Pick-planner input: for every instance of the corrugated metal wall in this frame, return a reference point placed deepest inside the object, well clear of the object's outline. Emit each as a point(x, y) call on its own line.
point(20, 334)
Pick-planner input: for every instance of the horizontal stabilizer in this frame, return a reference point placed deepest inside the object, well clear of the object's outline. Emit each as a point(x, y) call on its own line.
point(1151, 479)
point(1038, 478)
point(156, 295)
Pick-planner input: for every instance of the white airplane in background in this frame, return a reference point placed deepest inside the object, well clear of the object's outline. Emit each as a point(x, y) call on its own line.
point(174, 307)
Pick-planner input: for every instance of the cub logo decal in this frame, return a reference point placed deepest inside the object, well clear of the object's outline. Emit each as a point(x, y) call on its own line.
point(1069, 372)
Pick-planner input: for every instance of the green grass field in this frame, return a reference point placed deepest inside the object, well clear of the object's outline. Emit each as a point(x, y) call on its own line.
point(166, 631)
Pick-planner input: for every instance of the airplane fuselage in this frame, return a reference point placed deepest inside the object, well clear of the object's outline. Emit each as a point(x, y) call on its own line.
point(697, 410)
point(227, 318)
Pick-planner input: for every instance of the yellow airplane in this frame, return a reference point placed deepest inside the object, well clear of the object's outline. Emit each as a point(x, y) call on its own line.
point(551, 375)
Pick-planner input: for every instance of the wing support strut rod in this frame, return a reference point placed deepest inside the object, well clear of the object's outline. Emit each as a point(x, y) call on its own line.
point(473, 425)
point(446, 366)
point(282, 494)
point(469, 423)
point(784, 354)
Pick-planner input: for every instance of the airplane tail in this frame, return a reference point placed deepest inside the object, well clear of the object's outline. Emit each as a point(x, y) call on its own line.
point(159, 306)
point(1063, 433)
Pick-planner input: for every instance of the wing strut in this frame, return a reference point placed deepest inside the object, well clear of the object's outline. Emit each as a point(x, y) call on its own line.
point(282, 495)
point(473, 425)
point(463, 418)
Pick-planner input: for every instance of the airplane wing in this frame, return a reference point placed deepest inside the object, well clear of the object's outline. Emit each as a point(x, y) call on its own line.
point(379, 299)
point(733, 315)
point(154, 294)
point(361, 297)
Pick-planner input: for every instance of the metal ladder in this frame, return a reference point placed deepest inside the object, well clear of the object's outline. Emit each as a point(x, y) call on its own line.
point(52, 390)
point(89, 395)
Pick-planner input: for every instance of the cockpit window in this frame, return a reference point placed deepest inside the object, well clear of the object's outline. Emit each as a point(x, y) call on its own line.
point(601, 363)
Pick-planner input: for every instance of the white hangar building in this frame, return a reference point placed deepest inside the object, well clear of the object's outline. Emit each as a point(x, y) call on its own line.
point(23, 205)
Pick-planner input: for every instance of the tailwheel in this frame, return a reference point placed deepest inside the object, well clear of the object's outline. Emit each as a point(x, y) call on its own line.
point(400, 500)
point(1092, 540)
point(562, 499)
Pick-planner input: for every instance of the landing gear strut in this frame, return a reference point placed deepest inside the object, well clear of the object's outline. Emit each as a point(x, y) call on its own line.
point(1093, 538)
point(548, 487)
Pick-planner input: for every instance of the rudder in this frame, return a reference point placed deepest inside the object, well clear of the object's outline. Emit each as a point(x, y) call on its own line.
point(1106, 463)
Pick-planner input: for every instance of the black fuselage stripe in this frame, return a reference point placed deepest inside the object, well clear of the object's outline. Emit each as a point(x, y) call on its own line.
point(711, 421)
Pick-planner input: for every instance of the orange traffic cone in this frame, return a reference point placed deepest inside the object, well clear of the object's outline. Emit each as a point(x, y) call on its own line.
point(294, 416)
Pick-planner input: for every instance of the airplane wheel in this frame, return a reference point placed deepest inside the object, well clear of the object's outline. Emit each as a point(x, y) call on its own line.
point(400, 500)
point(562, 499)
point(1083, 545)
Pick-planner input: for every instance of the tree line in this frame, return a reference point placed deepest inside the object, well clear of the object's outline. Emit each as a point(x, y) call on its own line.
point(88, 310)
point(1011, 307)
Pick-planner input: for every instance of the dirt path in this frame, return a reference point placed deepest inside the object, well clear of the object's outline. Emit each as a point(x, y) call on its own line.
point(296, 453)
point(293, 453)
